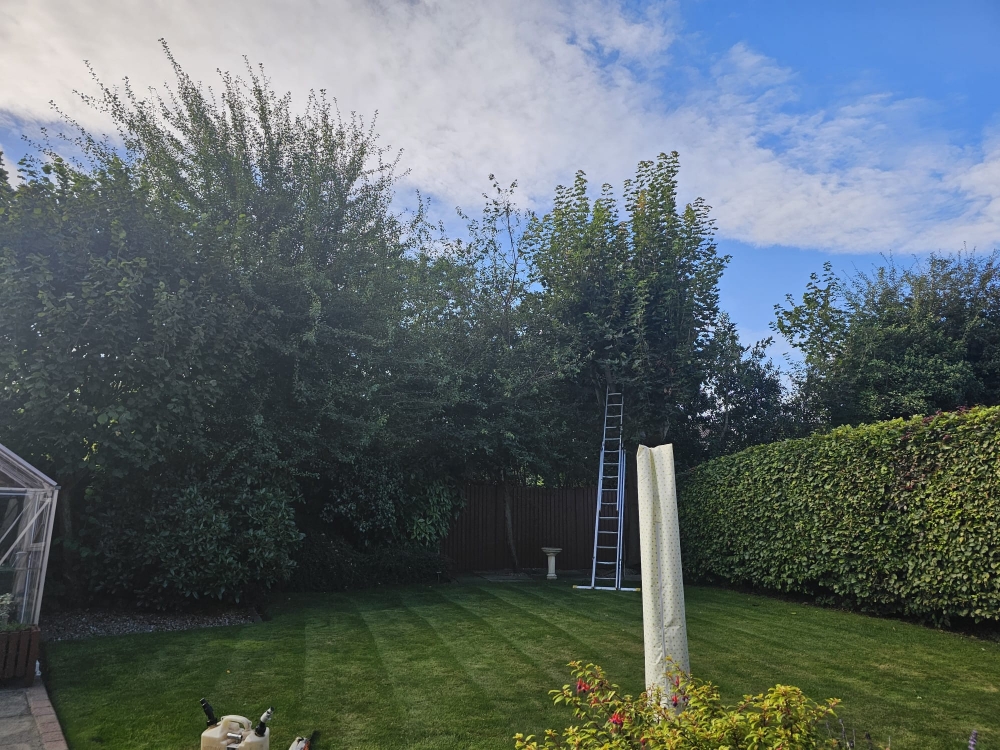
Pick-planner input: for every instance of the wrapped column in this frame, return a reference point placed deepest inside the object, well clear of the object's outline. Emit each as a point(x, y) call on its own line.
point(663, 627)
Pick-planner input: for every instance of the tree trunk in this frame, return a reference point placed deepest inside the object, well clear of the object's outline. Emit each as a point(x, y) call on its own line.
point(511, 545)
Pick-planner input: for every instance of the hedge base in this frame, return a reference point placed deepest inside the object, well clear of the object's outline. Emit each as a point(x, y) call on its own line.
point(18, 653)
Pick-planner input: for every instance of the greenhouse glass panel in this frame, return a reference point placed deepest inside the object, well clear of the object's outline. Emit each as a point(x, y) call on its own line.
point(27, 510)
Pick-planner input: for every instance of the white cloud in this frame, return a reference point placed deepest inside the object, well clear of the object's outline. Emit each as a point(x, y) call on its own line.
point(857, 178)
point(535, 91)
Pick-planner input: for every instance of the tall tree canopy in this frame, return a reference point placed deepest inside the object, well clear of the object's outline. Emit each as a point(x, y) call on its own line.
point(898, 341)
point(216, 324)
point(219, 308)
point(635, 300)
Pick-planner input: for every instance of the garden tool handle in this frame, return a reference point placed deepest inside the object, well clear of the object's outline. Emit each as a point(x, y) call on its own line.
point(207, 708)
point(262, 726)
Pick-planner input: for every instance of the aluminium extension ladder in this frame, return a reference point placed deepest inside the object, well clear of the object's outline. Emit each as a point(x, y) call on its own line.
point(606, 572)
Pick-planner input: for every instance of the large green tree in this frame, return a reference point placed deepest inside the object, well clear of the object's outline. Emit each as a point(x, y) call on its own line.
point(749, 402)
point(635, 299)
point(219, 303)
point(898, 341)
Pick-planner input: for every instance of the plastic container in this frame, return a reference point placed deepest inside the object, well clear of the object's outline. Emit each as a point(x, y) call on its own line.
point(217, 737)
point(253, 742)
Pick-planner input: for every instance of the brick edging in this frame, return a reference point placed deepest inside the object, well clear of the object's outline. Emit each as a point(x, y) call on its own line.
point(45, 718)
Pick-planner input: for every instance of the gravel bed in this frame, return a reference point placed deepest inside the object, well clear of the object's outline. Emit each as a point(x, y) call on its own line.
point(88, 623)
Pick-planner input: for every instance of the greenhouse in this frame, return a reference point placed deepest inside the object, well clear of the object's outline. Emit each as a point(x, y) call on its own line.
point(27, 511)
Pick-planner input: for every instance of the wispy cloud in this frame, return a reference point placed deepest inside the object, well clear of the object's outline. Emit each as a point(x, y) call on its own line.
point(534, 91)
point(858, 177)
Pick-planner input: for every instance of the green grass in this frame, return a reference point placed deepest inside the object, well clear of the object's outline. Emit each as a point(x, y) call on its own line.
point(460, 666)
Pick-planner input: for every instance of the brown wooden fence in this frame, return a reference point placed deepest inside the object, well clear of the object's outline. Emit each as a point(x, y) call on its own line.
point(540, 517)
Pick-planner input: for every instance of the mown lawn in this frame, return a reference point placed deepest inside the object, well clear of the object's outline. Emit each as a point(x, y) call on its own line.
point(467, 666)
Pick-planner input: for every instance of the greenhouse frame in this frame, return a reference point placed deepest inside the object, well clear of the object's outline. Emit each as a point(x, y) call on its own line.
point(27, 511)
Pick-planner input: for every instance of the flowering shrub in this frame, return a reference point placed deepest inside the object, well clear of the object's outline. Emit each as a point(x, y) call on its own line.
point(691, 716)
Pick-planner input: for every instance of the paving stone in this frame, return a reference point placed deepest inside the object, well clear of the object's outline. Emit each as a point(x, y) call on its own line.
point(18, 729)
point(13, 703)
point(28, 722)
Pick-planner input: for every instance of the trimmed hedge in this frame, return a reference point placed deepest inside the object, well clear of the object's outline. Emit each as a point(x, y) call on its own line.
point(899, 518)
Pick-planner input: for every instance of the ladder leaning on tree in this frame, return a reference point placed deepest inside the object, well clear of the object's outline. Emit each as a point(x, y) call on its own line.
point(606, 571)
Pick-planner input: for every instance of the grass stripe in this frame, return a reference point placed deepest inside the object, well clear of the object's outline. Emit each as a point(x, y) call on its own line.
point(459, 666)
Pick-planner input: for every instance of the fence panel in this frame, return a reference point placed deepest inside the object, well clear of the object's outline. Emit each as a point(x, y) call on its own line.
point(540, 517)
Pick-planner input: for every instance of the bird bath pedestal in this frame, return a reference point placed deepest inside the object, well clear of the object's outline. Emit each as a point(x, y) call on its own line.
point(552, 552)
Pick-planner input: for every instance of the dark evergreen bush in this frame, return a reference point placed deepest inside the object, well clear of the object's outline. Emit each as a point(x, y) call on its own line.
point(327, 563)
point(167, 547)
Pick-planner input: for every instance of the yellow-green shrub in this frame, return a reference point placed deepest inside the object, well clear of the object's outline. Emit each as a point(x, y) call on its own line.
point(899, 517)
point(692, 716)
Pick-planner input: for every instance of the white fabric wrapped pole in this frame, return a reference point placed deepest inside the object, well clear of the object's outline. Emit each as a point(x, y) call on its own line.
point(663, 627)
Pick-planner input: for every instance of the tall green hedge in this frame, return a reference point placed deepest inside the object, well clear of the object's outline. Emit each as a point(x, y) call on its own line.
point(899, 517)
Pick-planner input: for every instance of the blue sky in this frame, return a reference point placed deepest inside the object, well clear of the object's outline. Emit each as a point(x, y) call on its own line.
point(942, 55)
point(834, 131)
